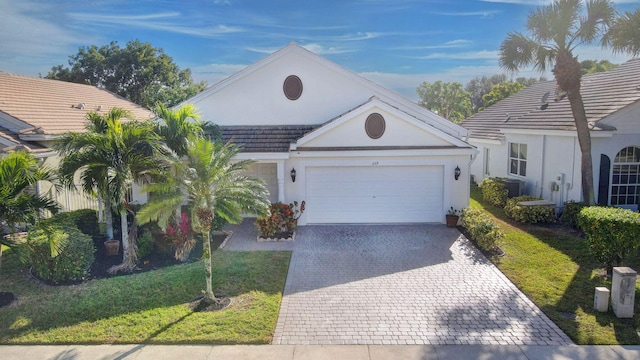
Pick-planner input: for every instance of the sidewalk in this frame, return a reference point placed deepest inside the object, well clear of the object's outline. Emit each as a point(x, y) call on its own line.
point(316, 352)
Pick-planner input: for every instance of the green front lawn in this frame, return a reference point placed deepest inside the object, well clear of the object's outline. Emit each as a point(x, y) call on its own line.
point(149, 307)
point(552, 266)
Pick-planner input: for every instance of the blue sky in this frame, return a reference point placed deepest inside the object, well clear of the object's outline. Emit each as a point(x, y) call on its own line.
point(397, 43)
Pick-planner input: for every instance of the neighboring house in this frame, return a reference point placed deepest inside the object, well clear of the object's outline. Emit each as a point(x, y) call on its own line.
point(532, 137)
point(353, 150)
point(34, 113)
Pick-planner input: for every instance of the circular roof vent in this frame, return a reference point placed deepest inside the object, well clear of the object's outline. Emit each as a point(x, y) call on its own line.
point(292, 87)
point(374, 126)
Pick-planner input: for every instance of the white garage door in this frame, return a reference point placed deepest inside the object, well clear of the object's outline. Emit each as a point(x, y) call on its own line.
point(378, 194)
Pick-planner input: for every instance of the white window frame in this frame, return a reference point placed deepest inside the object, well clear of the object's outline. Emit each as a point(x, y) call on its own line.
point(520, 159)
point(625, 180)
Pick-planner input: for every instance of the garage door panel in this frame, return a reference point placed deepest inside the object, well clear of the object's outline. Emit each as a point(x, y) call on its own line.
point(374, 194)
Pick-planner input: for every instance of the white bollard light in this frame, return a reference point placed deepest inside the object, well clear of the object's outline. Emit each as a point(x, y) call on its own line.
point(601, 299)
point(623, 291)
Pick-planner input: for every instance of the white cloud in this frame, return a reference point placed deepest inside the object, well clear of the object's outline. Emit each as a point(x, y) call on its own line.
point(486, 13)
point(474, 55)
point(214, 73)
point(167, 21)
point(447, 45)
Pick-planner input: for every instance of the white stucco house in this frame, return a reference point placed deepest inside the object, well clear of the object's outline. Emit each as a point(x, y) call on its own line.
point(353, 150)
point(531, 137)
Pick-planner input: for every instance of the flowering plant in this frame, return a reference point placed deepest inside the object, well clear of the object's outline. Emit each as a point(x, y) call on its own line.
point(181, 238)
point(282, 219)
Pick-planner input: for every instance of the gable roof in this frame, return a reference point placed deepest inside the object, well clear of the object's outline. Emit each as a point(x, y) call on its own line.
point(264, 138)
point(603, 94)
point(401, 102)
point(50, 107)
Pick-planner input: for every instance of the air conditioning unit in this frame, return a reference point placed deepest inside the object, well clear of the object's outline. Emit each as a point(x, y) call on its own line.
point(514, 187)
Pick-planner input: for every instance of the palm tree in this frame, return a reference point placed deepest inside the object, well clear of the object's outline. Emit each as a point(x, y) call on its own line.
point(175, 127)
point(214, 185)
point(555, 31)
point(19, 172)
point(110, 156)
point(624, 35)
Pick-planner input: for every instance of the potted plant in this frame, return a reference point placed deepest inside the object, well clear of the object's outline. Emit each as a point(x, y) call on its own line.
point(452, 217)
point(112, 247)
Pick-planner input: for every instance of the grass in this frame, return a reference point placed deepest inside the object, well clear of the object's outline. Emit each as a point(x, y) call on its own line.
point(149, 307)
point(551, 264)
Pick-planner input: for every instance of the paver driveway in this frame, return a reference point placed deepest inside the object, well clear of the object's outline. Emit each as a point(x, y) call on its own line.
point(402, 284)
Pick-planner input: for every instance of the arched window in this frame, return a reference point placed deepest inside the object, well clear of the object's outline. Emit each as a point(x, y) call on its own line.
point(625, 183)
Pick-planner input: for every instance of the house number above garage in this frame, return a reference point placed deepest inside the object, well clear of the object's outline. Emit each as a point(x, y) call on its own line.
point(292, 87)
point(374, 126)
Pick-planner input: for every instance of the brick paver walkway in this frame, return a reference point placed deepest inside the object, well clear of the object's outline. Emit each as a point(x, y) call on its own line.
point(401, 284)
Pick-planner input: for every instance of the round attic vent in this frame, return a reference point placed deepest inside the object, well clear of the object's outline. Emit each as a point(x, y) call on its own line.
point(292, 87)
point(374, 126)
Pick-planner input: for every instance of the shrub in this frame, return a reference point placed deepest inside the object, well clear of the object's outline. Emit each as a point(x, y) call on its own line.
point(86, 220)
point(528, 214)
point(75, 253)
point(571, 211)
point(146, 244)
point(282, 219)
point(612, 233)
point(494, 191)
point(218, 223)
point(482, 229)
point(181, 238)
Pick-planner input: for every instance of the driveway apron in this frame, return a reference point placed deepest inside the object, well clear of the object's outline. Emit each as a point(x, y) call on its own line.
point(402, 284)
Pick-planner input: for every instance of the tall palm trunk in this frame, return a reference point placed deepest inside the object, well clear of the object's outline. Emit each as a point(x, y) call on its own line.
point(206, 255)
point(568, 74)
point(108, 217)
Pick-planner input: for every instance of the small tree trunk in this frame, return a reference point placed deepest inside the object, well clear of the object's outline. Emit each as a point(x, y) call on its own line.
point(206, 255)
point(108, 218)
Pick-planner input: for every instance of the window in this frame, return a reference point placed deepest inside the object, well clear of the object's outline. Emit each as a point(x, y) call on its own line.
point(487, 161)
point(518, 159)
point(625, 183)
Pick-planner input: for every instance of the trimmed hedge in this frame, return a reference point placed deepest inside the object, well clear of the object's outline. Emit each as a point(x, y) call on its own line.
point(146, 244)
point(73, 260)
point(482, 229)
point(571, 211)
point(494, 192)
point(528, 214)
point(612, 233)
point(86, 220)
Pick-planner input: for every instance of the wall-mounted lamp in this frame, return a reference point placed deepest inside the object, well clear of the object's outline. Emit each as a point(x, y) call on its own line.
point(456, 172)
point(293, 174)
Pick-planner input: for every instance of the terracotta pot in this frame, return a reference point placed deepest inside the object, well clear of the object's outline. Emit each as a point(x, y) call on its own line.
point(452, 220)
point(112, 247)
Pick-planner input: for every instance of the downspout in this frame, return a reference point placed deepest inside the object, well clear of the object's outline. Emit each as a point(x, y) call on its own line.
point(544, 141)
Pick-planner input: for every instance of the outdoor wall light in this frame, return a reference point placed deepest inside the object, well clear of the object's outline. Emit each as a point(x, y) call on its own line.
point(456, 172)
point(293, 174)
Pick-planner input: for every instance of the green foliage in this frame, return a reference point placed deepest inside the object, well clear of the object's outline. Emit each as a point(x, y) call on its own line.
point(612, 233)
point(146, 244)
point(75, 253)
point(501, 91)
point(86, 220)
point(19, 172)
point(449, 100)
point(571, 211)
point(139, 72)
point(624, 35)
point(528, 214)
point(218, 223)
point(482, 229)
point(282, 219)
point(595, 66)
point(494, 191)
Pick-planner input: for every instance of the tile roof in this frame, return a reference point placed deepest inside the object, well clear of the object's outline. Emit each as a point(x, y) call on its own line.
point(17, 144)
point(264, 138)
point(53, 105)
point(603, 94)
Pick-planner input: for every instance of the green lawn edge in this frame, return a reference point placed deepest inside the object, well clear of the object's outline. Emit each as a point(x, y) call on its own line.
point(150, 307)
point(551, 264)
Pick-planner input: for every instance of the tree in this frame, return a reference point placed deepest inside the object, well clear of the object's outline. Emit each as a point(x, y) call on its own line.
point(139, 72)
point(624, 34)
point(448, 100)
point(595, 66)
point(214, 185)
point(501, 91)
point(176, 126)
point(19, 204)
point(480, 86)
point(110, 156)
point(555, 31)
